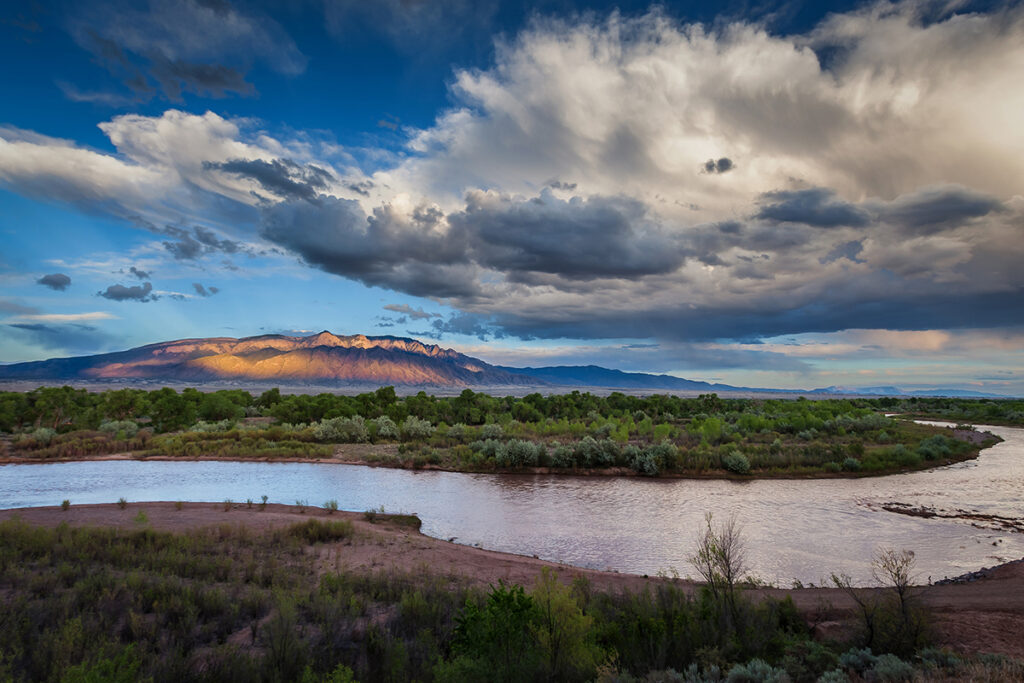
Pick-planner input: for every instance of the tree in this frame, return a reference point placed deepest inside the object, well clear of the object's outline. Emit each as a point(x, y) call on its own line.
point(892, 620)
point(563, 632)
point(720, 558)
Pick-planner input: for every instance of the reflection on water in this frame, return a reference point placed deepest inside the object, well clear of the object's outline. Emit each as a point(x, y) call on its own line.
point(796, 529)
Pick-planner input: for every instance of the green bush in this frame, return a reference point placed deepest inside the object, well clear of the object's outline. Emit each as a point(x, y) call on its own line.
point(342, 430)
point(851, 465)
point(414, 428)
point(386, 428)
point(756, 671)
point(736, 462)
point(890, 669)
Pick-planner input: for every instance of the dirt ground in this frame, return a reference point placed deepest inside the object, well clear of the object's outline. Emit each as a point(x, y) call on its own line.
point(983, 615)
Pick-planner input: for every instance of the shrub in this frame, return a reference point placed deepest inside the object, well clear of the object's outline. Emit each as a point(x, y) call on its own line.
point(492, 431)
point(561, 456)
point(756, 671)
point(832, 467)
point(859, 660)
point(736, 462)
point(342, 430)
point(122, 502)
point(935, 447)
point(331, 506)
point(890, 669)
point(386, 428)
point(518, 453)
point(834, 676)
point(851, 465)
point(415, 428)
point(114, 427)
point(43, 436)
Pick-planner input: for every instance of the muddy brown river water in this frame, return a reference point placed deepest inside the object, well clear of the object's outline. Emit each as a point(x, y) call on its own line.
point(794, 529)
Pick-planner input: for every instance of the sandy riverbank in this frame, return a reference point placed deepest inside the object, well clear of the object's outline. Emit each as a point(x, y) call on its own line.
point(983, 615)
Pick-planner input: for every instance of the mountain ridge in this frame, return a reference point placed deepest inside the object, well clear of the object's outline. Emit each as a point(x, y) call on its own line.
point(328, 358)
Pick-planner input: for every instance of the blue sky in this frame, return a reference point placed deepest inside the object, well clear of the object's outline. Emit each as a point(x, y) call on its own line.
point(765, 194)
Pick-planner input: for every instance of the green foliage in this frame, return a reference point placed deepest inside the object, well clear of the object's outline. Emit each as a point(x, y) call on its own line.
point(736, 462)
point(342, 430)
point(414, 428)
point(756, 671)
point(495, 641)
point(653, 435)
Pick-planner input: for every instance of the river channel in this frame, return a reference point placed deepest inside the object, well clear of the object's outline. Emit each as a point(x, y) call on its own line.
point(794, 529)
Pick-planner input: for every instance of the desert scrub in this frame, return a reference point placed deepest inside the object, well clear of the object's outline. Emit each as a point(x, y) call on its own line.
point(316, 531)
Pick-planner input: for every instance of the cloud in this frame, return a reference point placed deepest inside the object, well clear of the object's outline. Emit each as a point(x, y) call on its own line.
point(9, 307)
point(198, 242)
point(141, 274)
point(575, 239)
point(141, 293)
point(816, 206)
point(55, 281)
point(283, 177)
point(934, 209)
point(209, 80)
point(411, 25)
point(179, 46)
point(67, 338)
point(414, 313)
point(68, 317)
point(204, 291)
point(879, 183)
point(722, 165)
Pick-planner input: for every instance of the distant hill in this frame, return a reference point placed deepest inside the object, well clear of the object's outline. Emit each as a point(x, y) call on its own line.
point(896, 391)
point(596, 376)
point(319, 358)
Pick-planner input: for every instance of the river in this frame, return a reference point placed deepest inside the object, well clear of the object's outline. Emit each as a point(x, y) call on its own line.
point(794, 529)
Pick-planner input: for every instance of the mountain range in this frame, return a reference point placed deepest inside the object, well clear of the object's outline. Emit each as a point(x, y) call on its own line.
point(327, 358)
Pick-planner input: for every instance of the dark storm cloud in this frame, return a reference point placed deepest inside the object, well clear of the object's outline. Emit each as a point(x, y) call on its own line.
point(576, 239)
point(817, 207)
point(199, 241)
point(767, 317)
point(204, 291)
point(932, 210)
point(141, 293)
point(723, 165)
point(383, 249)
point(56, 281)
point(283, 177)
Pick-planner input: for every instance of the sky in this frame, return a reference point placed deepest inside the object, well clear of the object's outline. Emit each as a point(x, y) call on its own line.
point(768, 194)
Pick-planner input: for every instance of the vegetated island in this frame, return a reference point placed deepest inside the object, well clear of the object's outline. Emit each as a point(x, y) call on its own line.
point(575, 433)
point(257, 592)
